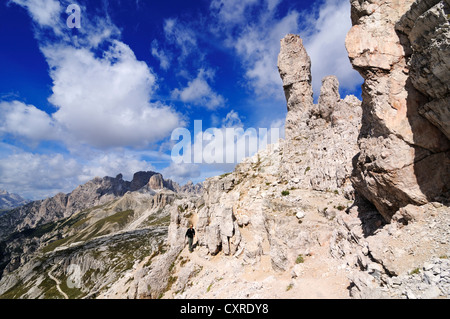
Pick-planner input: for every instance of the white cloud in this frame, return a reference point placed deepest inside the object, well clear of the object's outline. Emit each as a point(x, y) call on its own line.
point(272, 4)
point(257, 44)
point(324, 39)
point(26, 122)
point(229, 144)
point(96, 32)
point(182, 36)
point(181, 172)
point(199, 92)
point(44, 12)
point(102, 98)
point(37, 176)
point(232, 119)
point(280, 125)
point(231, 11)
point(104, 101)
point(163, 57)
point(113, 163)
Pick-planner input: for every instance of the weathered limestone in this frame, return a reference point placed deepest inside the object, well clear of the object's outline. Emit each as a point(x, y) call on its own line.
point(294, 65)
point(403, 157)
point(427, 27)
point(321, 139)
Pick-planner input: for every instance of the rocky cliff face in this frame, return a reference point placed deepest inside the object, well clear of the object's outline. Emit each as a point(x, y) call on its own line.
point(398, 46)
point(77, 226)
point(401, 50)
point(274, 209)
point(321, 139)
point(426, 26)
point(253, 231)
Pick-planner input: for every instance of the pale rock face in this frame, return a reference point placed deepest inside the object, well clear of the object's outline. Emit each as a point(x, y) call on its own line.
point(385, 257)
point(244, 213)
point(427, 27)
point(294, 65)
point(399, 148)
point(321, 139)
point(329, 97)
point(156, 182)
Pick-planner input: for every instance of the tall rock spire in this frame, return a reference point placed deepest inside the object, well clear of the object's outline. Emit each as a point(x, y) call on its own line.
point(320, 139)
point(294, 65)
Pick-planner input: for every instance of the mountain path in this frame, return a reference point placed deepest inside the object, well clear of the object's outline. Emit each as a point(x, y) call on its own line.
point(57, 282)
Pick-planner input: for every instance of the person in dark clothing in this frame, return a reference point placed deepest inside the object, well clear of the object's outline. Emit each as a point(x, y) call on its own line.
point(190, 235)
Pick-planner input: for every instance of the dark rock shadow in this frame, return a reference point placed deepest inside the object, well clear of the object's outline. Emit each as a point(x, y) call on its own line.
point(431, 146)
point(371, 219)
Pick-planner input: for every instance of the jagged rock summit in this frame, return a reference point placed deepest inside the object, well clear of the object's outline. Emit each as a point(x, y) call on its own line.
point(95, 192)
point(10, 200)
point(321, 139)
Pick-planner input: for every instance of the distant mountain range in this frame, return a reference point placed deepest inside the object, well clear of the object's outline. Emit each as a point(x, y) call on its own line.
point(96, 192)
point(105, 225)
point(10, 200)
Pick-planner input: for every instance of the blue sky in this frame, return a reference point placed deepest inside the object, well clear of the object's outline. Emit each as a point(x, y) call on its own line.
point(104, 99)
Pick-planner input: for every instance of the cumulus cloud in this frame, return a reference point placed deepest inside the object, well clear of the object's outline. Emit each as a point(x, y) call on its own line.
point(199, 92)
point(101, 102)
point(26, 123)
point(104, 101)
point(102, 98)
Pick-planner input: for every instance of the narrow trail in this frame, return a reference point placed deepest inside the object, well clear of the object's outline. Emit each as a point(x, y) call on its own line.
point(57, 282)
point(140, 220)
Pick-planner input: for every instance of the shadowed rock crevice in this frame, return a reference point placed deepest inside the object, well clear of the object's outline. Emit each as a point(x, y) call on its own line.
point(404, 158)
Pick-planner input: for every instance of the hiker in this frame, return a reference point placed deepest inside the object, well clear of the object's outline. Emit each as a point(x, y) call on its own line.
point(190, 235)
